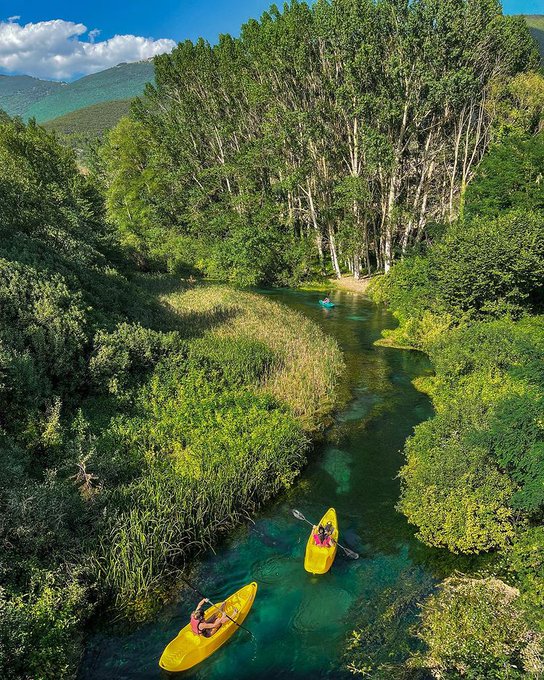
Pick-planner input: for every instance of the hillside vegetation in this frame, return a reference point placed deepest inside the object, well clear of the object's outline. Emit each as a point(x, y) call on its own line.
point(19, 93)
point(90, 122)
point(118, 397)
point(124, 81)
point(536, 27)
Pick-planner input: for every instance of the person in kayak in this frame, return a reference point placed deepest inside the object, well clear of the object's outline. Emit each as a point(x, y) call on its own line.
point(326, 300)
point(207, 628)
point(321, 538)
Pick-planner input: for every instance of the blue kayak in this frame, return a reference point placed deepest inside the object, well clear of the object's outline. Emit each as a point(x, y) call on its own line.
point(326, 304)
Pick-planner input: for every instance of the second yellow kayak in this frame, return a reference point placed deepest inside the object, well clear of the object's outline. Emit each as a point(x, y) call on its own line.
point(188, 649)
point(318, 560)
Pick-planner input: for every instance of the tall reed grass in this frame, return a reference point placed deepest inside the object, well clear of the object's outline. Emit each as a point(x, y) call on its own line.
point(306, 377)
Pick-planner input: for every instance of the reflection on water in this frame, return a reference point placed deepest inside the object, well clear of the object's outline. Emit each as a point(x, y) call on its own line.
point(300, 621)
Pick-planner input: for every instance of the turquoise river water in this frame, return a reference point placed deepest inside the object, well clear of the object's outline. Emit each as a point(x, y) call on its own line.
point(301, 623)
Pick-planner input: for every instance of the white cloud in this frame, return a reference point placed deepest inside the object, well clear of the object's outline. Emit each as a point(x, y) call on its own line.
point(57, 49)
point(93, 35)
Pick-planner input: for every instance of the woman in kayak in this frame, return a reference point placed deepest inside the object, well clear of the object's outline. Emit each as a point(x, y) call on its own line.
point(201, 626)
point(321, 537)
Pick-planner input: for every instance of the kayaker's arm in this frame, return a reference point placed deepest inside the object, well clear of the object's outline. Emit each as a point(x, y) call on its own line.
point(211, 626)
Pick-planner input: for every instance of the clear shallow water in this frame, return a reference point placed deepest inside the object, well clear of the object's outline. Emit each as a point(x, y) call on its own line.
point(301, 622)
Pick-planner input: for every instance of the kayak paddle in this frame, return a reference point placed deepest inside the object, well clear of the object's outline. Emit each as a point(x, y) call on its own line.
point(215, 607)
point(348, 552)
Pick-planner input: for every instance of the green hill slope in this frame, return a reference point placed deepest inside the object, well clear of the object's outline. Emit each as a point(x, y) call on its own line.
point(124, 81)
point(536, 26)
point(91, 121)
point(19, 93)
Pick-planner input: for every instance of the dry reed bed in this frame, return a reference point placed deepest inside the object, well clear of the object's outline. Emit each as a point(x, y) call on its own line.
point(311, 362)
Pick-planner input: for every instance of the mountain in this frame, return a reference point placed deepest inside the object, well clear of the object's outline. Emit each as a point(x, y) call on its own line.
point(536, 26)
point(91, 121)
point(124, 81)
point(19, 93)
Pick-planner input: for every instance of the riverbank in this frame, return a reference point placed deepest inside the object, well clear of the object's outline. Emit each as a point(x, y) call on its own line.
point(352, 284)
point(222, 425)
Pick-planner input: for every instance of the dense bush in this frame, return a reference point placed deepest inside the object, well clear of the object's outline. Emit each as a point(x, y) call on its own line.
point(40, 631)
point(482, 268)
point(474, 474)
point(474, 628)
point(509, 177)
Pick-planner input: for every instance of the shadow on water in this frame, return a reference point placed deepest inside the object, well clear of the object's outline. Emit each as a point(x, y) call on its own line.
point(301, 622)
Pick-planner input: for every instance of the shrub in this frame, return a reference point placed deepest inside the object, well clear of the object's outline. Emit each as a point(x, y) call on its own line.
point(40, 631)
point(474, 628)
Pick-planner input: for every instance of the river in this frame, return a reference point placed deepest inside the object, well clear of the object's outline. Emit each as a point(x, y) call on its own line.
point(301, 622)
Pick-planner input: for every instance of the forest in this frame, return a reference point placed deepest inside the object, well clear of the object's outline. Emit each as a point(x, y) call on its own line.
point(325, 137)
point(393, 139)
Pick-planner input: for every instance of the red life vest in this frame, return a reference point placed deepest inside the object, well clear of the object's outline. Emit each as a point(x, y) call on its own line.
point(195, 625)
point(325, 543)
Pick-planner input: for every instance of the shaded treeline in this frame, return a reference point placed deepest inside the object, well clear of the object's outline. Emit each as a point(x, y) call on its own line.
point(324, 137)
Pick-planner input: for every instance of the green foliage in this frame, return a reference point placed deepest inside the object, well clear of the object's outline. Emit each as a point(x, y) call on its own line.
point(130, 434)
point(310, 141)
point(478, 462)
point(510, 177)
point(212, 449)
point(474, 628)
point(524, 563)
point(517, 106)
point(481, 268)
point(40, 631)
point(474, 474)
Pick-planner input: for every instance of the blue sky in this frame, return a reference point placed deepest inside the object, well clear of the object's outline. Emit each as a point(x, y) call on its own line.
point(176, 19)
point(64, 39)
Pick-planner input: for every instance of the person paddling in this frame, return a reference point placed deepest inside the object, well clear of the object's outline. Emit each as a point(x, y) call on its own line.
point(207, 628)
point(321, 537)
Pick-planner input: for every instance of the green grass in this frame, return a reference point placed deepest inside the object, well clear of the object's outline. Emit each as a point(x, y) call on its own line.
point(222, 425)
point(310, 361)
point(91, 121)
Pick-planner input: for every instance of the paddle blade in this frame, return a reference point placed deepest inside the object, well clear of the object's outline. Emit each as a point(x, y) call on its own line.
point(299, 515)
point(350, 553)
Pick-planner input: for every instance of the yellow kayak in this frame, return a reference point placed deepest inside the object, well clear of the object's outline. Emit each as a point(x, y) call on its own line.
point(188, 649)
point(318, 560)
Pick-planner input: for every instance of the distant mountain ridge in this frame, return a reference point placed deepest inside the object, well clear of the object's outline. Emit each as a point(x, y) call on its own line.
point(91, 121)
point(124, 81)
point(19, 93)
point(45, 100)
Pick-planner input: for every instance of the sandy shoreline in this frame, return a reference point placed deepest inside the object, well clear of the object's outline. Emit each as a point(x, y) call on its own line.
point(351, 284)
